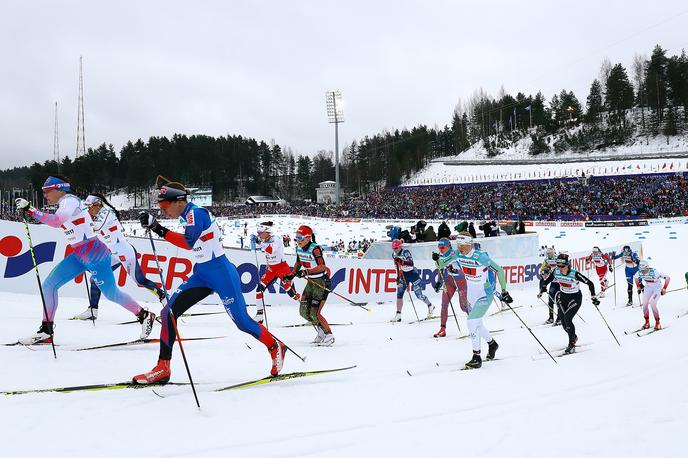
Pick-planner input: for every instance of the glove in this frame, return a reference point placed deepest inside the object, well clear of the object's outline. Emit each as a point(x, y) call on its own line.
point(23, 205)
point(300, 273)
point(663, 292)
point(613, 254)
point(149, 222)
point(506, 297)
point(641, 288)
point(437, 287)
point(452, 269)
point(611, 268)
point(435, 257)
point(542, 291)
point(595, 300)
point(398, 261)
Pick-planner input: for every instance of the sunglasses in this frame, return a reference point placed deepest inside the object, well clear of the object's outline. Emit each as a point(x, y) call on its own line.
point(299, 238)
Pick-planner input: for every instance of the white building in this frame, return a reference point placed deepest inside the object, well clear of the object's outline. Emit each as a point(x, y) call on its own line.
point(326, 192)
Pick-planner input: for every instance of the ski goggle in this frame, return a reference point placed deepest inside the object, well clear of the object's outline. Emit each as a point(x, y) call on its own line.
point(299, 238)
point(464, 240)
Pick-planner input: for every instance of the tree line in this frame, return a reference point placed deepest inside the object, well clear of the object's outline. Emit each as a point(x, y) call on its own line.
point(651, 99)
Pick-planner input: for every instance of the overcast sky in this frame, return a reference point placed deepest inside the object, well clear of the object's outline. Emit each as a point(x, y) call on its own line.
point(261, 68)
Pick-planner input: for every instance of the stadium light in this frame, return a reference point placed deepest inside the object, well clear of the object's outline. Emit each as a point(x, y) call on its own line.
point(335, 115)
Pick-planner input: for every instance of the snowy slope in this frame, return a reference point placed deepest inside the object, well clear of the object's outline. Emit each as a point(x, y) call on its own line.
point(605, 401)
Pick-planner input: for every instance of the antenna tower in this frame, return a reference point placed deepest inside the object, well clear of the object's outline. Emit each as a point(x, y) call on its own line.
point(80, 136)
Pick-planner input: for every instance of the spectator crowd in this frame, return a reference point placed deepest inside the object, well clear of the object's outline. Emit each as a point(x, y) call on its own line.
point(618, 197)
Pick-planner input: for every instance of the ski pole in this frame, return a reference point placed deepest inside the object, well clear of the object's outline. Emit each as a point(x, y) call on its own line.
point(676, 289)
point(88, 295)
point(38, 279)
point(357, 304)
point(173, 319)
point(400, 274)
point(605, 322)
point(444, 287)
point(265, 312)
point(302, 358)
point(529, 330)
point(614, 266)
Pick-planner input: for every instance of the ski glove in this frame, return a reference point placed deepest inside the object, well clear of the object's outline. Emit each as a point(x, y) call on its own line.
point(435, 257)
point(540, 293)
point(22, 204)
point(300, 273)
point(506, 297)
point(641, 288)
point(611, 268)
point(595, 300)
point(149, 222)
point(398, 261)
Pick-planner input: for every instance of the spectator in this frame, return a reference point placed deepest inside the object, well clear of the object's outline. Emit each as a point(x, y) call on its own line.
point(471, 230)
point(443, 231)
point(430, 235)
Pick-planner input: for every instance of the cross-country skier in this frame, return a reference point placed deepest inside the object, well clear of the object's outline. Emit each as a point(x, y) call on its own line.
point(407, 277)
point(88, 254)
point(310, 264)
point(601, 262)
point(480, 271)
point(277, 267)
point(212, 273)
point(546, 268)
point(649, 283)
point(107, 225)
point(454, 281)
point(630, 259)
point(570, 297)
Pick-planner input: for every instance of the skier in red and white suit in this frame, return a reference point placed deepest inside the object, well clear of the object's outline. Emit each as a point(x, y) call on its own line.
point(601, 262)
point(277, 267)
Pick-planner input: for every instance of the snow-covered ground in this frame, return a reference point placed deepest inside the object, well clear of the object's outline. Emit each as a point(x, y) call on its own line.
point(405, 398)
point(441, 173)
point(639, 145)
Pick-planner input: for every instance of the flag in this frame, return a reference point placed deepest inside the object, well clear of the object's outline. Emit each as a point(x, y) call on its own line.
point(664, 166)
point(672, 166)
point(638, 167)
point(528, 107)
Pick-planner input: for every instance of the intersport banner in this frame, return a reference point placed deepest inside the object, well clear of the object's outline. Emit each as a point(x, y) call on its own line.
point(359, 279)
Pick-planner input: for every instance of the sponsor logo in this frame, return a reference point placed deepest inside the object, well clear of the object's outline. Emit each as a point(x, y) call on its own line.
point(19, 263)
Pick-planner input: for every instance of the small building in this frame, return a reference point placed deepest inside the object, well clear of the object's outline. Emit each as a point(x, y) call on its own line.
point(326, 192)
point(203, 197)
point(263, 201)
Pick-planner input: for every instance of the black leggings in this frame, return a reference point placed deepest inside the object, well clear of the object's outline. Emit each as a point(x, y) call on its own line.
point(568, 307)
point(183, 302)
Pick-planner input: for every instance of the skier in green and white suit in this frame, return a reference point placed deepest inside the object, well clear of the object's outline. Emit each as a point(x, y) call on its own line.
point(480, 272)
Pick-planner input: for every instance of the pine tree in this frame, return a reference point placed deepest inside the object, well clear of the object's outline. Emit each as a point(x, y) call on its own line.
point(656, 81)
point(619, 93)
point(594, 102)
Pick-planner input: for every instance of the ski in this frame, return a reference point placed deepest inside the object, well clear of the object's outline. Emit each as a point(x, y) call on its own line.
point(280, 377)
point(17, 344)
point(186, 315)
point(647, 332)
point(504, 310)
point(427, 318)
point(144, 341)
point(97, 387)
point(496, 331)
point(682, 315)
point(635, 331)
point(466, 368)
point(299, 325)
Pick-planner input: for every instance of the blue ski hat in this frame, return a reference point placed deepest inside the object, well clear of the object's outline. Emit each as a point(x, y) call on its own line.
point(56, 183)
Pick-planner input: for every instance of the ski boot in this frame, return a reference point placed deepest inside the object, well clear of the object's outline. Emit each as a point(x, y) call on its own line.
point(646, 325)
point(327, 341)
point(571, 348)
point(476, 362)
point(44, 335)
point(492, 347)
point(277, 352)
point(159, 375)
point(397, 318)
point(431, 310)
point(90, 313)
point(557, 322)
point(550, 320)
point(297, 297)
point(320, 336)
point(601, 293)
point(657, 325)
point(260, 316)
point(629, 303)
point(146, 319)
point(441, 333)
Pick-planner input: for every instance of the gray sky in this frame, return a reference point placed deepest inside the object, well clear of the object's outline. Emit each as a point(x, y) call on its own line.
point(261, 68)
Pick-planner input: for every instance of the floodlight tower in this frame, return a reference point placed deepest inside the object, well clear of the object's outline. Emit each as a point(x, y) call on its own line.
point(335, 115)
